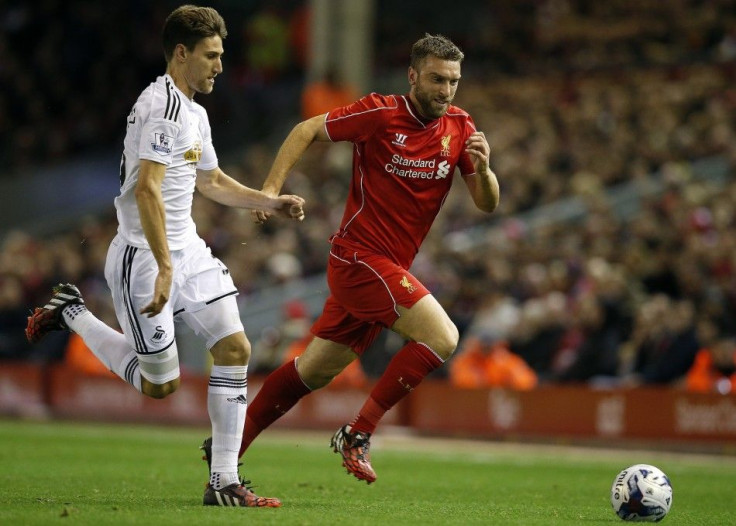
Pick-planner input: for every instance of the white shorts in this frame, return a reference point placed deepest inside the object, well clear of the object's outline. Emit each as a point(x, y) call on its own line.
point(202, 295)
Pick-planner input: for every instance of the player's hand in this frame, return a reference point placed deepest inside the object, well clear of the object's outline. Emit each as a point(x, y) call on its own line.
point(477, 147)
point(260, 216)
point(161, 291)
point(289, 206)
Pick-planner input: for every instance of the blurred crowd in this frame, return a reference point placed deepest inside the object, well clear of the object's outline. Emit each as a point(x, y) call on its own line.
point(577, 99)
point(70, 70)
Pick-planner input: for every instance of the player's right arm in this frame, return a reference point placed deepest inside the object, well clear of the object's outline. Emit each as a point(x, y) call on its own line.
point(291, 150)
point(150, 202)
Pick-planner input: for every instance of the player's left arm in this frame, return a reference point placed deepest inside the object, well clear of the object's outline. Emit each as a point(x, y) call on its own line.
point(218, 186)
point(483, 185)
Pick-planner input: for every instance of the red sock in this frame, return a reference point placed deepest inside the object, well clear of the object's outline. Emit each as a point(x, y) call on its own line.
point(282, 389)
point(406, 370)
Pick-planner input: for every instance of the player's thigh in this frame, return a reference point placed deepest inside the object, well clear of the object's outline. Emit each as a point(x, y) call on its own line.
point(370, 286)
point(206, 298)
point(340, 327)
point(427, 322)
point(374, 289)
point(131, 273)
point(219, 324)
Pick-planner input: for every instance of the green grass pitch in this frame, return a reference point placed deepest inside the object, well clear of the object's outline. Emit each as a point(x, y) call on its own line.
point(70, 473)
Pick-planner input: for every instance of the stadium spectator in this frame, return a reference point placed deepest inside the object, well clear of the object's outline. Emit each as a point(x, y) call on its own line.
point(13, 345)
point(157, 267)
point(325, 94)
point(388, 214)
point(664, 342)
point(714, 368)
point(590, 348)
point(539, 332)
point(485, 361)
point(276, 340)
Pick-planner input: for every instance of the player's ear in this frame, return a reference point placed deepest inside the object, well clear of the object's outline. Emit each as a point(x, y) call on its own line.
point(412, 76)
point(180, 52)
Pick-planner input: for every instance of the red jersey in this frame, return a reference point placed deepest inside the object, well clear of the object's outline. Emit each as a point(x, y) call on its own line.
point(402, 172)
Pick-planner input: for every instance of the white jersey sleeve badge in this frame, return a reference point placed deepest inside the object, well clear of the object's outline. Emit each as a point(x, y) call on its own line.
point(162, 143)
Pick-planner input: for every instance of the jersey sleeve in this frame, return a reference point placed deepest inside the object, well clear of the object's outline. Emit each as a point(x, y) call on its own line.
point(159, 130)
point(358, 121)
point(157, 141)
point(209, 156)
point(465, 164)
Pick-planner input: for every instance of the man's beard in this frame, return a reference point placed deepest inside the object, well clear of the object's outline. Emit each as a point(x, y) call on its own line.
point(426, 107)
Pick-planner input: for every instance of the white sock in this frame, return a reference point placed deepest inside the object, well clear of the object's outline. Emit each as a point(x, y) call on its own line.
point(107, 344)
point(226, 403)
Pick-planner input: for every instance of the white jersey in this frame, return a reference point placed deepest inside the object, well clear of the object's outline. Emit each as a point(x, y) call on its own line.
point(166, 127)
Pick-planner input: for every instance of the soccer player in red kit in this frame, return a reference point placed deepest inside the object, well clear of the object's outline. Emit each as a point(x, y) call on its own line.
point(406, 151)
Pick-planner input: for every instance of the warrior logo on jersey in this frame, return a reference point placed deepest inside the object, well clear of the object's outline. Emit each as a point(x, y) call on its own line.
point(400, 140)
point(407, 285)
point(162, 143)
point(194, 154)
point(445, 145)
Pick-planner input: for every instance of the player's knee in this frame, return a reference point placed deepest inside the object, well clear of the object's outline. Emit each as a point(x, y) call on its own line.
point(159, 390)
point(446, 342)
point(159, 372)
point(316, 378)
point(233, 350)
point(237, 354)
point(321, 361)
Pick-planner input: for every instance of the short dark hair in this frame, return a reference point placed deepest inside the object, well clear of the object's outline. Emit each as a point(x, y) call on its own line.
point(188, 24)
point(436, 46)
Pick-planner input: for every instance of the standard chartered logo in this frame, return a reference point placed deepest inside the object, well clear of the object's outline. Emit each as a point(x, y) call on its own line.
point(442, 170)
point(417, 168)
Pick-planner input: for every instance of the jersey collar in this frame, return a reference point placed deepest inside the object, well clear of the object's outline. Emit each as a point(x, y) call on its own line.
point(180, 92)
point(415, 113)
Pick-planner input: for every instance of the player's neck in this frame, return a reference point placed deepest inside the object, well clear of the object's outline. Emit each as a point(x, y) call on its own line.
point(415, 109)
point(180, 82)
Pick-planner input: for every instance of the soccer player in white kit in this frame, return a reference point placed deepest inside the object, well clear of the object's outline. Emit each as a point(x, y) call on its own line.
point(158, 268)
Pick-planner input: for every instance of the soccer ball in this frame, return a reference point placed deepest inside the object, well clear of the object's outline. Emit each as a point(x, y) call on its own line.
point(641, 493)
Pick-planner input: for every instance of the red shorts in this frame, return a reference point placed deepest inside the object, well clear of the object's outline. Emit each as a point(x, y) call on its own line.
point(365, 290)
